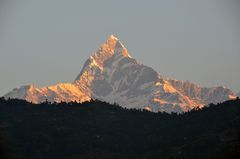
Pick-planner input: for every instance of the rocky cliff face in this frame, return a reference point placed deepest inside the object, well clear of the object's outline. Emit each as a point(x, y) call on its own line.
point(112, 75)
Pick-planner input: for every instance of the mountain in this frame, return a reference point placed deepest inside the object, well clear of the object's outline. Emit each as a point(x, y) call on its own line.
point(61, 92)
point(112, 75)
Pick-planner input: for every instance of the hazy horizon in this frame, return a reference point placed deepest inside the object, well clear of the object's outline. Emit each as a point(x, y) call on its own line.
point(46, 42)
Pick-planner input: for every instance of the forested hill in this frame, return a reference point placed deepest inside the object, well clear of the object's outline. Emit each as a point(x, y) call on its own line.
point(97, 130)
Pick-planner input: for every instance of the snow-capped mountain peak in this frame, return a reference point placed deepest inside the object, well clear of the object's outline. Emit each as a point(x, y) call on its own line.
point(112, 75)
point(112, 48)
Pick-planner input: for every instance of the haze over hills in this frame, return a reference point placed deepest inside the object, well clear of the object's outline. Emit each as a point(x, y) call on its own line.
point(112, 75)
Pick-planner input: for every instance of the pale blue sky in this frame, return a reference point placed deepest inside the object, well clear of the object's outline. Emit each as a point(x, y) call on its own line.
point(47, 41)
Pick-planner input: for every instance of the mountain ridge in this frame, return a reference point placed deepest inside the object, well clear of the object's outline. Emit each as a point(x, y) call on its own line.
point(112, 75)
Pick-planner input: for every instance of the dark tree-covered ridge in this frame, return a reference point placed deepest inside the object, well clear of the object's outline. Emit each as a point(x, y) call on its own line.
point(99, 130)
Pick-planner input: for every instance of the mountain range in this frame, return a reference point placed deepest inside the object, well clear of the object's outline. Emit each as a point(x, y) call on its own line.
point(112, 75)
